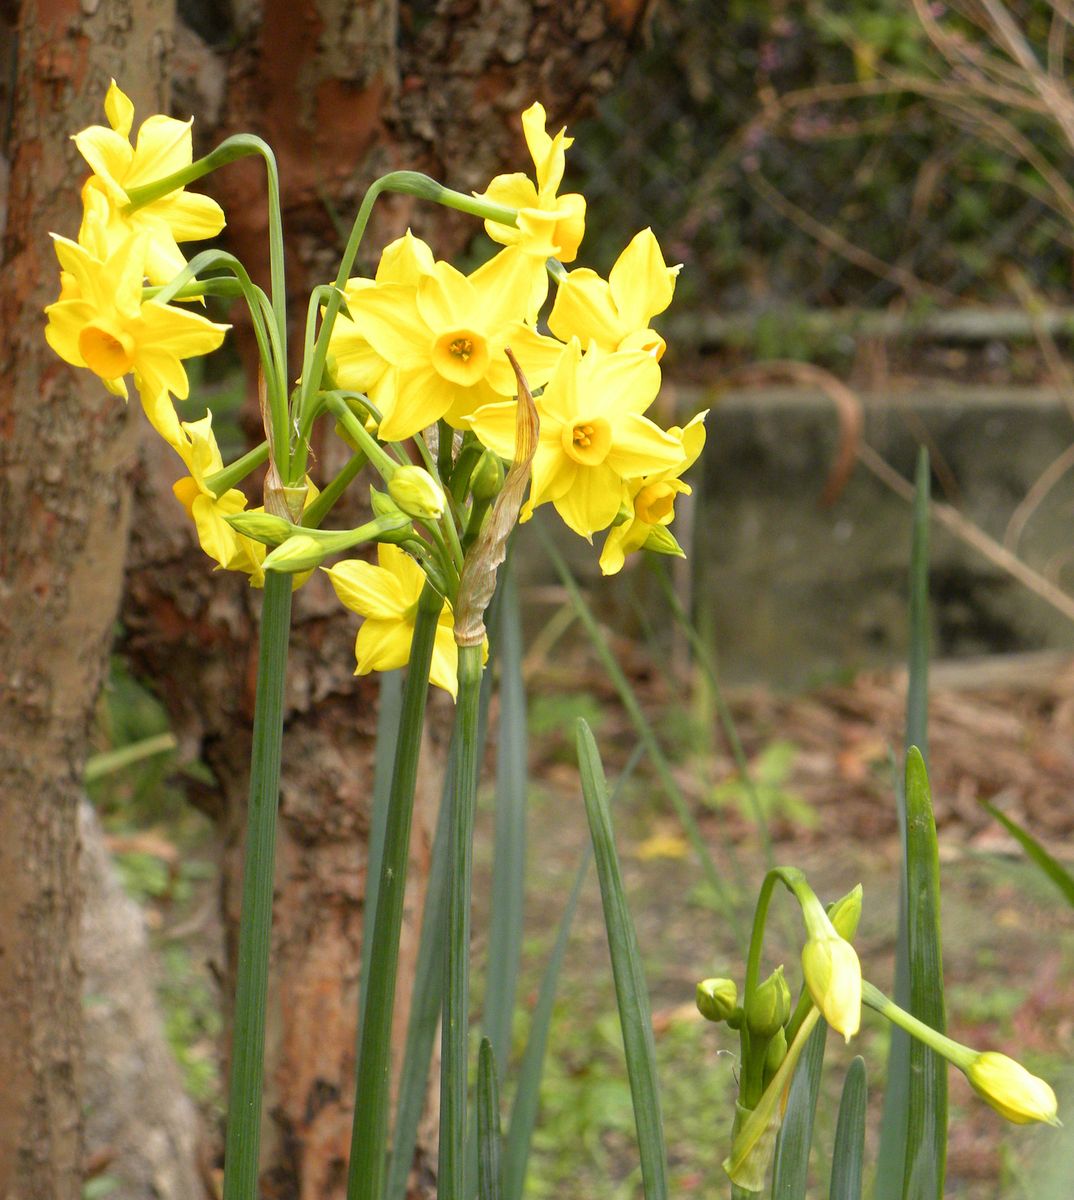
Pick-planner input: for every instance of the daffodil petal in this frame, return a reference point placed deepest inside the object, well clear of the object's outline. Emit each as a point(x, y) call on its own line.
point(583, 308)
point(592, 500)
point(164, 146)
point(641, 283)
point(421, 399)
point(641, 448)
point(382, 646)
point(368, 590)
point(388, 318)
point(191, 216)
point(119, 110)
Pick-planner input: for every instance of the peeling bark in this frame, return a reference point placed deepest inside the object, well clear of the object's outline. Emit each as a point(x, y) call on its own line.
point(67, 456)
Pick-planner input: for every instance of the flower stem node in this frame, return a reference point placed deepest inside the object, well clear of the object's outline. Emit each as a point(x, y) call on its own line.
point(1011, 1090)
point(717, 999)
point(770, 1006)
point(417, 494)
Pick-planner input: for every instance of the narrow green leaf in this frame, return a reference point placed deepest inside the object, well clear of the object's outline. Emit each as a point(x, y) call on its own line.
point(926, 1127)
point(489, 1173)
point(1053, 869)
point(98, 766)
point(527, 1092)
point(509, 839)
point(892, 1150)
point(791, 1172)
point(645, 732)
point(630, 991)
point(389, 710)
point(848, 1153)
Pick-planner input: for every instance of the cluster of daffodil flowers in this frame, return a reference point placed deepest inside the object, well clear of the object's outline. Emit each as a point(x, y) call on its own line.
point(474, 399)
point(773, 1030)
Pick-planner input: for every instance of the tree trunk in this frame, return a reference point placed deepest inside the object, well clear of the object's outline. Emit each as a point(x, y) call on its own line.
point(67, 458)
point(343, 91)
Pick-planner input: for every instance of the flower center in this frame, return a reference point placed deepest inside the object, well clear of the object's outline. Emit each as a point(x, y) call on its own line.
point(107, 350)
point(588, 441)
point(654, 502)
point(461, 356)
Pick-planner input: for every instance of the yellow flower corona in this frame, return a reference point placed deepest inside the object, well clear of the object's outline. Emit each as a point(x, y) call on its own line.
point(593, 436)
point(386, 595)
point(163, 146)
point(1011, 1090)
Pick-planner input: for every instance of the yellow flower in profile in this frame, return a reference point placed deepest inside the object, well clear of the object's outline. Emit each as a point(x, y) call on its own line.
point(1011, 1090)
point(387, 595)
point(652, 500)
point(593, 436)
point(106, 326)
point(233, 551)
point(163, 146)
point(549, 225)
point(446, 338)
point(615, 313)
point(357, 365)
point(833, 976)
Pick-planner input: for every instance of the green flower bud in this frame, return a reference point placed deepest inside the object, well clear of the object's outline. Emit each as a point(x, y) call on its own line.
point(716, 999)
point(487, 480)
point(845, 914)
point(770, 1005)
point(383, 505)
point(299, 553)
point(417, 493)
point(775, 1053)
point(262, 527)
point(1011, 1090)
point(662, 541)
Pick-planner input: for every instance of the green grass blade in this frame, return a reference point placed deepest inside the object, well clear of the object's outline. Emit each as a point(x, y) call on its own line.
point(99, 766)
point(1053, 869)
point(848, 1153)
point(926, 1127)
point(389, 710)
point(790, 1175)
point(630, 991)
point(646, 735)
point(489, 1177)
point(892, 1151)
point(509, 839)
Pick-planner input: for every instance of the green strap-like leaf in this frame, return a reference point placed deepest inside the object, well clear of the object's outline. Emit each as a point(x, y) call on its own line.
point(489, 1174)
point(630, 991)
point(892, 1151)
point(926, 1125)
point(790, 1175)
point(1054, 870)
point(849, 1150)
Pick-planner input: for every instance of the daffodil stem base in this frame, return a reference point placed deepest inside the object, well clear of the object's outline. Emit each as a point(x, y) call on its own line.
point(369, 1132)
point(455, 1029)
point(255, 929)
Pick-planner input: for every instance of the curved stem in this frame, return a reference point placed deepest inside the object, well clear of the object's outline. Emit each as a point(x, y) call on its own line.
point(232, 474)
point(451, 1175)
point(248, 1033)
point(369, 1133)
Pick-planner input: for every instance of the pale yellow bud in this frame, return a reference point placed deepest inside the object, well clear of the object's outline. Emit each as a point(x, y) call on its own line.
point(417, 493)
point(833, 975)
point(1011, 1090)
point(299, 553)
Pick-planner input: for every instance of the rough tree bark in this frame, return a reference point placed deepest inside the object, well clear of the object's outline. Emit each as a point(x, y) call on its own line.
point(343, 91)
point(67, 456)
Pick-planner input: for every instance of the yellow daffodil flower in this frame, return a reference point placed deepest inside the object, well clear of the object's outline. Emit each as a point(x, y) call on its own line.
point(1011, 1090)
point(593, 436)
point(615, 313)
point(549, 225)
point(387, 595)
point(198, 449)
point(163, 146)
point(446, 338)
point(357, 366)
point(107, 327)
point(652, 500)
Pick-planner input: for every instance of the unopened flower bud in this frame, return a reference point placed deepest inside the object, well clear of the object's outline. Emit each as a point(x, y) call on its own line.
point(417, 493)
point(1011, 1090)
point(769, 1006)
point(775, 1053)
point(298, 553)
point(716, 999)
point(662, 541)
point(487, 480)
point(845, 914)
point(833, 975)
point(262, 527)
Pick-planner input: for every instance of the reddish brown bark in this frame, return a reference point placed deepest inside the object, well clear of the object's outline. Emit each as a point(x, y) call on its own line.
point(66, 459)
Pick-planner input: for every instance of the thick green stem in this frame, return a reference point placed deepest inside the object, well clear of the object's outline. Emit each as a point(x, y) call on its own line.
point(248, 1034)
point(235, 472)
point(451, 1175)
point(369, 1133)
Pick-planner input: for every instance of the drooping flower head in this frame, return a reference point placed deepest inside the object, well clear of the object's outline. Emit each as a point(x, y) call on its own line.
point(593, 436)
point(163, 146)
point(1012, 1091)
